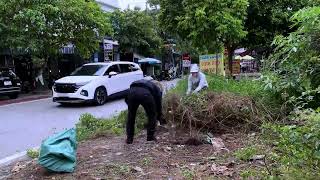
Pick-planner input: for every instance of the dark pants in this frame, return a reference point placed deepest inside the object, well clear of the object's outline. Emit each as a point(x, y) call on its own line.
point(140, 96)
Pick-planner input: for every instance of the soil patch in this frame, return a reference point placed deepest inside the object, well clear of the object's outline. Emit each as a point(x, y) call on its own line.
point(171, 157)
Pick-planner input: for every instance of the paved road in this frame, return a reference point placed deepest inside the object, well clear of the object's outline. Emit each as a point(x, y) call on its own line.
point(25, 125)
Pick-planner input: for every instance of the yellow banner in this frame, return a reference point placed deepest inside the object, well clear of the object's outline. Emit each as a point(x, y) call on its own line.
point(212, 63)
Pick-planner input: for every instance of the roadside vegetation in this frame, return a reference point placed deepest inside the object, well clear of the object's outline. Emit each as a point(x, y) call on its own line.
point(90, 127)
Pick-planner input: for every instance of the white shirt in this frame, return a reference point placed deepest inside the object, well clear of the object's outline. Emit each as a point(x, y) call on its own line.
point(195, 84)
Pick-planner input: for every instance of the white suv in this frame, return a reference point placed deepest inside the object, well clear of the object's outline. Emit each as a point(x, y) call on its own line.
point(95, 81)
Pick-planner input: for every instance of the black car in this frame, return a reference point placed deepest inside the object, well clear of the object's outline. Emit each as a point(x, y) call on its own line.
point(10, 84)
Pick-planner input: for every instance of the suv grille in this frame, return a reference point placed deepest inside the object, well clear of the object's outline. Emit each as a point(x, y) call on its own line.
point(65, 88)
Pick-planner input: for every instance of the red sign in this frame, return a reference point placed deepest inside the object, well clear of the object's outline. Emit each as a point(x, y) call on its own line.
point(186, 59)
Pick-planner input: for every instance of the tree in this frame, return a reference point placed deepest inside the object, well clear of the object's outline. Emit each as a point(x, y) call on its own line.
point(43, 27)
point(135, 32)
point(296, 61)
point(207, 24)
point(267, 19)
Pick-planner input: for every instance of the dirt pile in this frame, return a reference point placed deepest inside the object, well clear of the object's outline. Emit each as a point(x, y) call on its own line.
point(212, 112)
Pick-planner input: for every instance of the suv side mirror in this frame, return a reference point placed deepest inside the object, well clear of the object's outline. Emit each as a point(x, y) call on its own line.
point(112, 73)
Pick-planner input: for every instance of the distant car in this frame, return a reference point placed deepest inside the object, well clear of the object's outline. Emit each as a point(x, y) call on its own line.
point(10, 84)
point(94, 82)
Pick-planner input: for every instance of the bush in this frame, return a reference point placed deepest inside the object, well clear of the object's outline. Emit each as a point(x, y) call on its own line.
point(295, 62)
point(90, 126)
point(297, 145)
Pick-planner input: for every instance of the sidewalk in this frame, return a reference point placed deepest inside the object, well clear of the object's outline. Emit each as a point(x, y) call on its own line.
point(35, 95)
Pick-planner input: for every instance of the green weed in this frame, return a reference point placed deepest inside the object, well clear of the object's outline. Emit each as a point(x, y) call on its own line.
point(187, 173)
point(146, 161)
point(33, 153)
point(90, 126)
point(245, 154)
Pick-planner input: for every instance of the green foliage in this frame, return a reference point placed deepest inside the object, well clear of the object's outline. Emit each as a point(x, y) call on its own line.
point(297, 146)
point(136, 32)
point(245, 154)
point(33, 153)
point(208, 24)
point(295, 63)
point(89, 126)
point(267, 19)
point(43, 27)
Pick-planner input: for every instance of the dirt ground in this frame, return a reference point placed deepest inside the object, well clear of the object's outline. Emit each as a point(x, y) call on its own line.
point(173, 156)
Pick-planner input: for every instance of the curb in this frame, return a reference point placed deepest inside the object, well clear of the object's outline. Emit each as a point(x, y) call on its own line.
point(25, 101)
point(7, 161)
point(14, 158)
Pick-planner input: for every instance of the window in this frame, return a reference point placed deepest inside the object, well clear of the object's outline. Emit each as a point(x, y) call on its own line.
point(125, 68)
point(113, 68)
point(89, 70)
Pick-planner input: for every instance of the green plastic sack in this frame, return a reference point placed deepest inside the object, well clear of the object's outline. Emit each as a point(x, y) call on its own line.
point(58, 152)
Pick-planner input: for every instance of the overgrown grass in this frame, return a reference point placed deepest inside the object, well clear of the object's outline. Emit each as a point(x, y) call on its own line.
point(243, 87)
point(90, 126)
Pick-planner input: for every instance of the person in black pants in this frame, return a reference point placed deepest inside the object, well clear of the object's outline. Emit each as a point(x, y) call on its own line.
point(149, 95)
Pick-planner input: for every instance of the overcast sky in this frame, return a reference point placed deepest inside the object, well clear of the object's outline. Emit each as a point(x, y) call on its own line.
point(134, 3)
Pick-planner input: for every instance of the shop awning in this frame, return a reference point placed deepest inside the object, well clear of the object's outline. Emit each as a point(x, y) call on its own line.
point(149, 61)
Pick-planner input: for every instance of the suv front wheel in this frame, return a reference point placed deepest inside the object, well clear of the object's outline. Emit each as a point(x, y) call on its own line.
point(100, 96)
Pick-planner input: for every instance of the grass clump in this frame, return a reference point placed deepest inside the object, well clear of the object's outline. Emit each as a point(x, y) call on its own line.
point(90, 126)
point(187, 173)
point(245, 154)
point(33, 153)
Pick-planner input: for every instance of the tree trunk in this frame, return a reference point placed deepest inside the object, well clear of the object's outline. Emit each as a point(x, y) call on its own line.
point(230, 51)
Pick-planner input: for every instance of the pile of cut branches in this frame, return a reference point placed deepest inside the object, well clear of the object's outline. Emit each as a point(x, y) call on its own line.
point(212, 112)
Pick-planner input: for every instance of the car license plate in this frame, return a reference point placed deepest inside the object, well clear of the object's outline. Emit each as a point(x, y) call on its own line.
point(7, 83)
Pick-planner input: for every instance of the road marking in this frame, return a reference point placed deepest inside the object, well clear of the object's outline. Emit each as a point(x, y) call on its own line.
point(25, 102)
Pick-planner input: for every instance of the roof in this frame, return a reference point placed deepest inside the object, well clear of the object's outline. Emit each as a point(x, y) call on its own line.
point(150, 61)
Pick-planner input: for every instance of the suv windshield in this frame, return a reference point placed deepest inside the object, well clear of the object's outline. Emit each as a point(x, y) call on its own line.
point(89, 70)
point(6, 73)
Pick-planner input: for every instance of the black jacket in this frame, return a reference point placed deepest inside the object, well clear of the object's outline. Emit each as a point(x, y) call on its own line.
point(154, 90)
